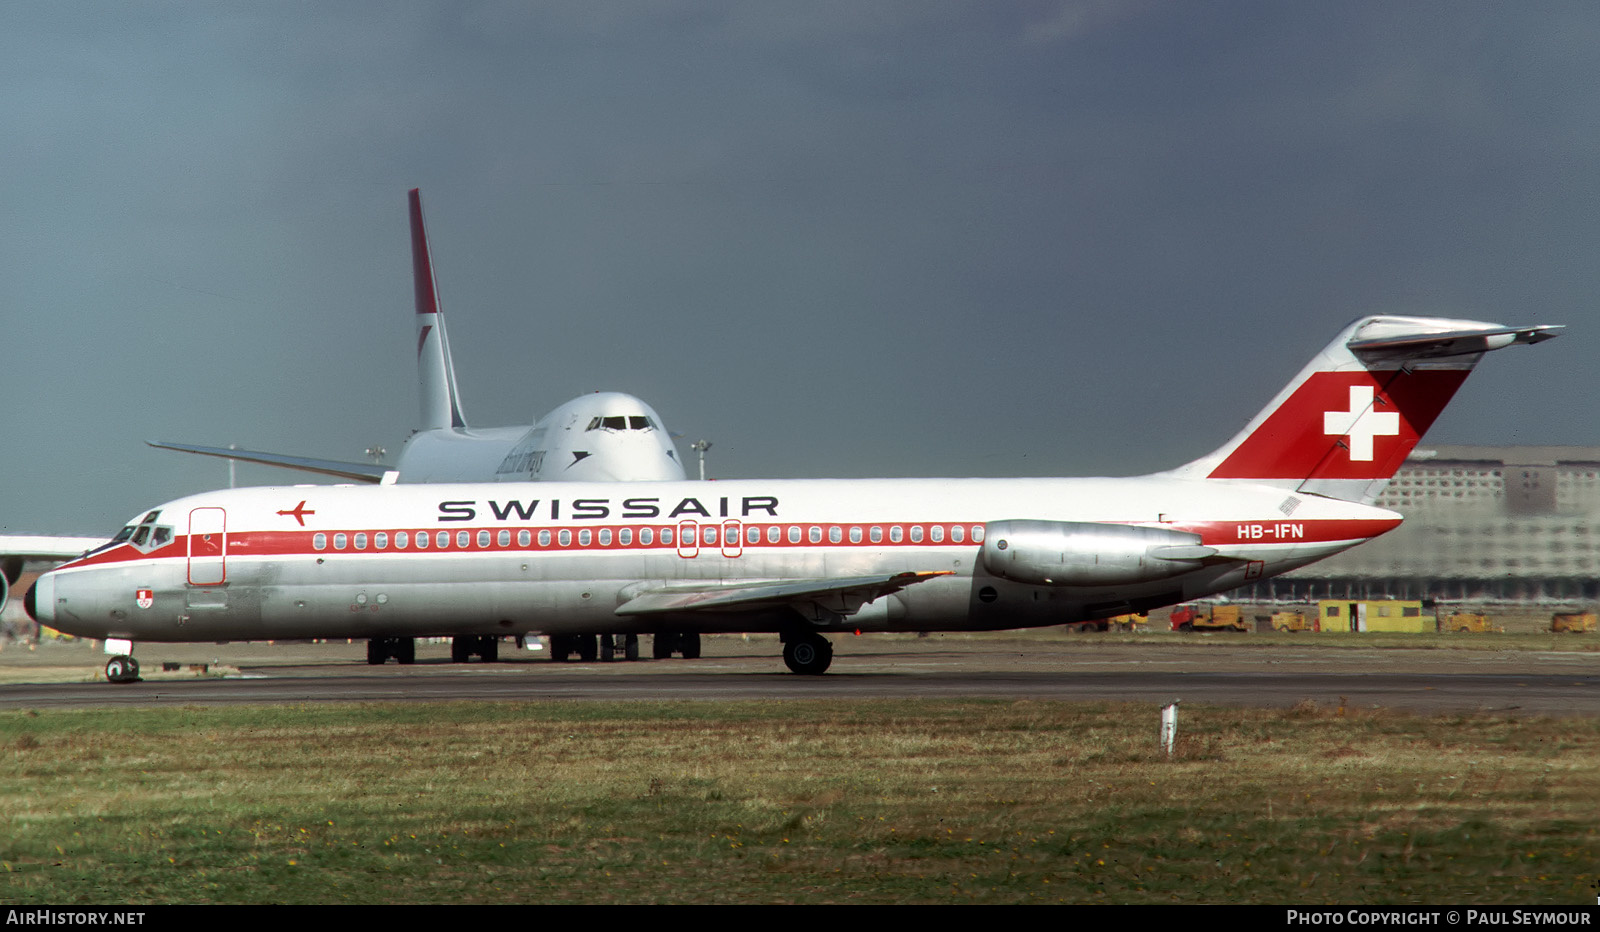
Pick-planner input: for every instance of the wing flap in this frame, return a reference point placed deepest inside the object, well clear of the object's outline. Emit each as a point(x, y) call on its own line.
point(839, 596)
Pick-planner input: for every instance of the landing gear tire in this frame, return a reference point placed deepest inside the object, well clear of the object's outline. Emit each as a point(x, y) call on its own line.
point(661, 645)
point(122, 669)
point(810, 655)
point(630, 647)
point(608, 649)
point(486, 647)
point(588, 647)
point(379, 650)
point(689, 646)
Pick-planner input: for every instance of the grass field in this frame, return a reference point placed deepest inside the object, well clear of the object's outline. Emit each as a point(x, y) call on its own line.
point(797, 802)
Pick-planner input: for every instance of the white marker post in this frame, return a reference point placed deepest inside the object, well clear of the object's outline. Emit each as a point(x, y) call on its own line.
point(1169, 726)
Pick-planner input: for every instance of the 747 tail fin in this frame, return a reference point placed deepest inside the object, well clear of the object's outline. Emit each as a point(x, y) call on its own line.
point(441, 402)
point(1344, 425)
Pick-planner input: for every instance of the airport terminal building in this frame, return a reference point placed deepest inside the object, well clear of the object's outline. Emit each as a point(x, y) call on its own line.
point(1483, 524)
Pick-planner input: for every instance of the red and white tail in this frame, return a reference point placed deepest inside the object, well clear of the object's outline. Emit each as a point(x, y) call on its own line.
point(1349, 419)
point(441, 403)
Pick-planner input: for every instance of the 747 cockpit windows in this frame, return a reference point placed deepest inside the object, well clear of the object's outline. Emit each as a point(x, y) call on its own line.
point(618, 422)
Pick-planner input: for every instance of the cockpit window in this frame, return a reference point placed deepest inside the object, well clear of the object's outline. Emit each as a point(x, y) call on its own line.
point(144, 535)
point(621, 422)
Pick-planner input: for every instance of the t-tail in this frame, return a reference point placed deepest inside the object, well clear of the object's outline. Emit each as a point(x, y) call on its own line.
point(441, 402)
point(1344, 425)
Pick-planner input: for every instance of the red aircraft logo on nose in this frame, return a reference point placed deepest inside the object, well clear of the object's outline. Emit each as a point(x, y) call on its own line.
point(298, 512)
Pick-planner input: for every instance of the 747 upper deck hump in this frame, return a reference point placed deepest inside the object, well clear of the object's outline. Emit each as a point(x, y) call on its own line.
point(797, 557)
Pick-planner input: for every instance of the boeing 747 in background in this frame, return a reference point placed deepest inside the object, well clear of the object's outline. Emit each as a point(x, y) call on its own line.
point(604, 436)
point(797, 557)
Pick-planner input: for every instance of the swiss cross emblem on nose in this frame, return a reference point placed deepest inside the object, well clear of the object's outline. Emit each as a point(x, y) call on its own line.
point(1360, 424)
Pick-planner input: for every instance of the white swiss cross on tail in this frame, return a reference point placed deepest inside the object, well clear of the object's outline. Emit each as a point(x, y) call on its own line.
point(1360, 424)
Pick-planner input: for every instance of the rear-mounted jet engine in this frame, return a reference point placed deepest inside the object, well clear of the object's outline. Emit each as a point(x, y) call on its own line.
point(1071, 553)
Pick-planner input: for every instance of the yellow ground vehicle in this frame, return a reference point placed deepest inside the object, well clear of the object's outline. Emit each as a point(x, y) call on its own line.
point(1203, 616)
point(1575, 622)
point(1128, 622)
point(1469, 623)
point(1290, 621)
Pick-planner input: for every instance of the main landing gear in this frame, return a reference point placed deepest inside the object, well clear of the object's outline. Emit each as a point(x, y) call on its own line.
point(464, 646)
point(379, 650)
point(562, 646)
point(122, 669)
point(808, 653)
point(685, 644)
point(588, 647)
point(613, 644)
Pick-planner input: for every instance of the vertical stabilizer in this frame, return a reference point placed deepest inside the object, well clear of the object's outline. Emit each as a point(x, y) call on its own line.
point(1343, 426)
point(441, 403)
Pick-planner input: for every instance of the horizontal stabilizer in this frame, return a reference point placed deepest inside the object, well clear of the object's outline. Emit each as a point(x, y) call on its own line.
point(356, 472)
point(1412, 345)
point(843, 596)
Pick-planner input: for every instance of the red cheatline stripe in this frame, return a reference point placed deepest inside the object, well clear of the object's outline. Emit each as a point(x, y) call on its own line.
point(857, 536)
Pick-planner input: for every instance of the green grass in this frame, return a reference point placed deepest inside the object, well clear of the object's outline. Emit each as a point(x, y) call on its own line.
point(793, 802)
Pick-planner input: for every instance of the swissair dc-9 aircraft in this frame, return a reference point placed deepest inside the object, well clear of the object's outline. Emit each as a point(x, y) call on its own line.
point(796, 557)
point(604, 436)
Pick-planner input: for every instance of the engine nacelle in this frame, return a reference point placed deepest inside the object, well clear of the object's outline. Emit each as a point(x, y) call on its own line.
point(1073, 553)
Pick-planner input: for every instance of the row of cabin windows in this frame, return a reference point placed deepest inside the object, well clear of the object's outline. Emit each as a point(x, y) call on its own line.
point(710, 535)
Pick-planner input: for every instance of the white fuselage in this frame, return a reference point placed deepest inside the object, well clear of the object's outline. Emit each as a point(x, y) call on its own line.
point(521, 558)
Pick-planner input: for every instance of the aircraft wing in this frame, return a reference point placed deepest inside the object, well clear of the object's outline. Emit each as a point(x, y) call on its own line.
point(42, 547)
point(17, 550)
point(837, 596)
point(357, 472)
